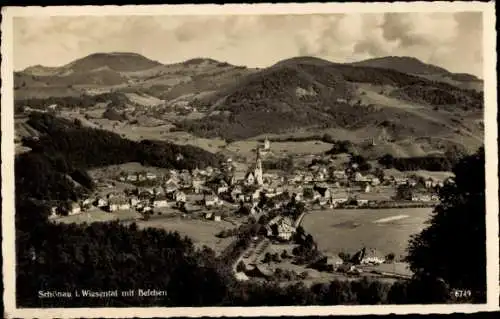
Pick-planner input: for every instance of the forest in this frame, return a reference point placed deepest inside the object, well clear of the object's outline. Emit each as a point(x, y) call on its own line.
point(67, 149)
point(84, 101)
point(429, 163)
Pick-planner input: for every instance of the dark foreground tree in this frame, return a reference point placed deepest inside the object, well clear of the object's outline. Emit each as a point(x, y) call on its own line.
point(453, 247)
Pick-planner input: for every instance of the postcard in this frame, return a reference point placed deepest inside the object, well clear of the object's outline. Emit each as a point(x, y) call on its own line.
point(249, 160)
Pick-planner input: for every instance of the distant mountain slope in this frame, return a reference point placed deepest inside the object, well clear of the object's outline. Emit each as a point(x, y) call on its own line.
point(414, 66)
point(115, 61)
point(402, 64)
point(308, 91)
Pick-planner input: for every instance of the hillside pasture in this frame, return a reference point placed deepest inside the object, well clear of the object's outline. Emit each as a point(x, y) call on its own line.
point(97, 215)
point(201, 231)
point(279, 149)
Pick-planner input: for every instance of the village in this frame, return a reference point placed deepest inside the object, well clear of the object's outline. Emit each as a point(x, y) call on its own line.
point(213, 195)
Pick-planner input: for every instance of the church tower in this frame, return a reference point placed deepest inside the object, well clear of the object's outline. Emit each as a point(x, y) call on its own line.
point(258, 170)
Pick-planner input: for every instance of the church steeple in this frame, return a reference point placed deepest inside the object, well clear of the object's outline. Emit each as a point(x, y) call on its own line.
point(258, 169)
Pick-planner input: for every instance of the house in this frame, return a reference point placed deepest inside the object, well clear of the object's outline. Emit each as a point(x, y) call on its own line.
point(180, 197)
point(320, 177)
point(185, 178)
point(209, 170)
point(375, 181)
point(285, 229)
point(297, 178)
point(339, 198)
point(212, 200)
point(54, 211)
point(362, 201)
point(308, 178)
point(236, 191)
point(134, 201)
point(337, 174)
point(256, 195)
point(195, 172)
point(101, 202)
point(74, 209)
point(429, 183)
point(118, 203)
point(298, 196)
point(241, 276)
point(112, 207)
point(124, 205)
point(222, 189)
point(208, 215)
point(421, 198)
point(150, 176)
point(250, 179)
point(196, 184)
point(170, 186)
point(132, 178)
point(86, 203)
point(367, 188)
point(217, 218)
point(267, 145)
point(141, 177)
point(160, 202)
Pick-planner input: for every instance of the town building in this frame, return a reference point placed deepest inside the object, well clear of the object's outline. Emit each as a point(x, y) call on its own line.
point(74, 209)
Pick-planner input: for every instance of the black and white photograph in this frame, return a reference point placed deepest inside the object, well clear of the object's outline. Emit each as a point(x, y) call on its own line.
point(204, 157)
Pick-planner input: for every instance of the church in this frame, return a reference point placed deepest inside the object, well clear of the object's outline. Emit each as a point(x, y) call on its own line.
point(254, 176)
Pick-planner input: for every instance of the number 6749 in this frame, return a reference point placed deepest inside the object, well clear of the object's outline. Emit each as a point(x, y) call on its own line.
point(461, 293)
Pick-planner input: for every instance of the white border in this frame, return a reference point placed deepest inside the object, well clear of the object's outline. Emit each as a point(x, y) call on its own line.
point(489, 76)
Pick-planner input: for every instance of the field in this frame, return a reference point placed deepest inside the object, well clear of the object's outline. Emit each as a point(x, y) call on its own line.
point(202, 232)
point(113, 171)
point(246, 148)
point(98, 215)
point(350, 230)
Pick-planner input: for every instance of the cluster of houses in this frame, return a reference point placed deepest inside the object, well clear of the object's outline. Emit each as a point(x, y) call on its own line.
point(321, 184)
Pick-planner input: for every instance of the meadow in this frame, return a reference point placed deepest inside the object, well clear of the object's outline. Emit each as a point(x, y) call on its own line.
point(202, 232)
point(382, 231)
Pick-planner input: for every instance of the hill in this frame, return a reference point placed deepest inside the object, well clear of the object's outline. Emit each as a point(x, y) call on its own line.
point(114, 61)
point(320, 95)
point(404, 104)
point(411, 65)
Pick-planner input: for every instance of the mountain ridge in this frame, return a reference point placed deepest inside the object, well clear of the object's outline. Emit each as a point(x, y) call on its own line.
point(299, 93)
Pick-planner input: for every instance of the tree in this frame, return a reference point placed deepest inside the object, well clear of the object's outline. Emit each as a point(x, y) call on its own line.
point(404, 192)
point(452, 247)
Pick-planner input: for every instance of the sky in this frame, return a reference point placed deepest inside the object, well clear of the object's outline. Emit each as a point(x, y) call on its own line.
point(449, 40)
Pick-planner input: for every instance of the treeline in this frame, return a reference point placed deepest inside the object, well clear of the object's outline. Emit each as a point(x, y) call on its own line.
point(438, 96)
point(67, 149)
point(428, 163)
point(84, 101)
